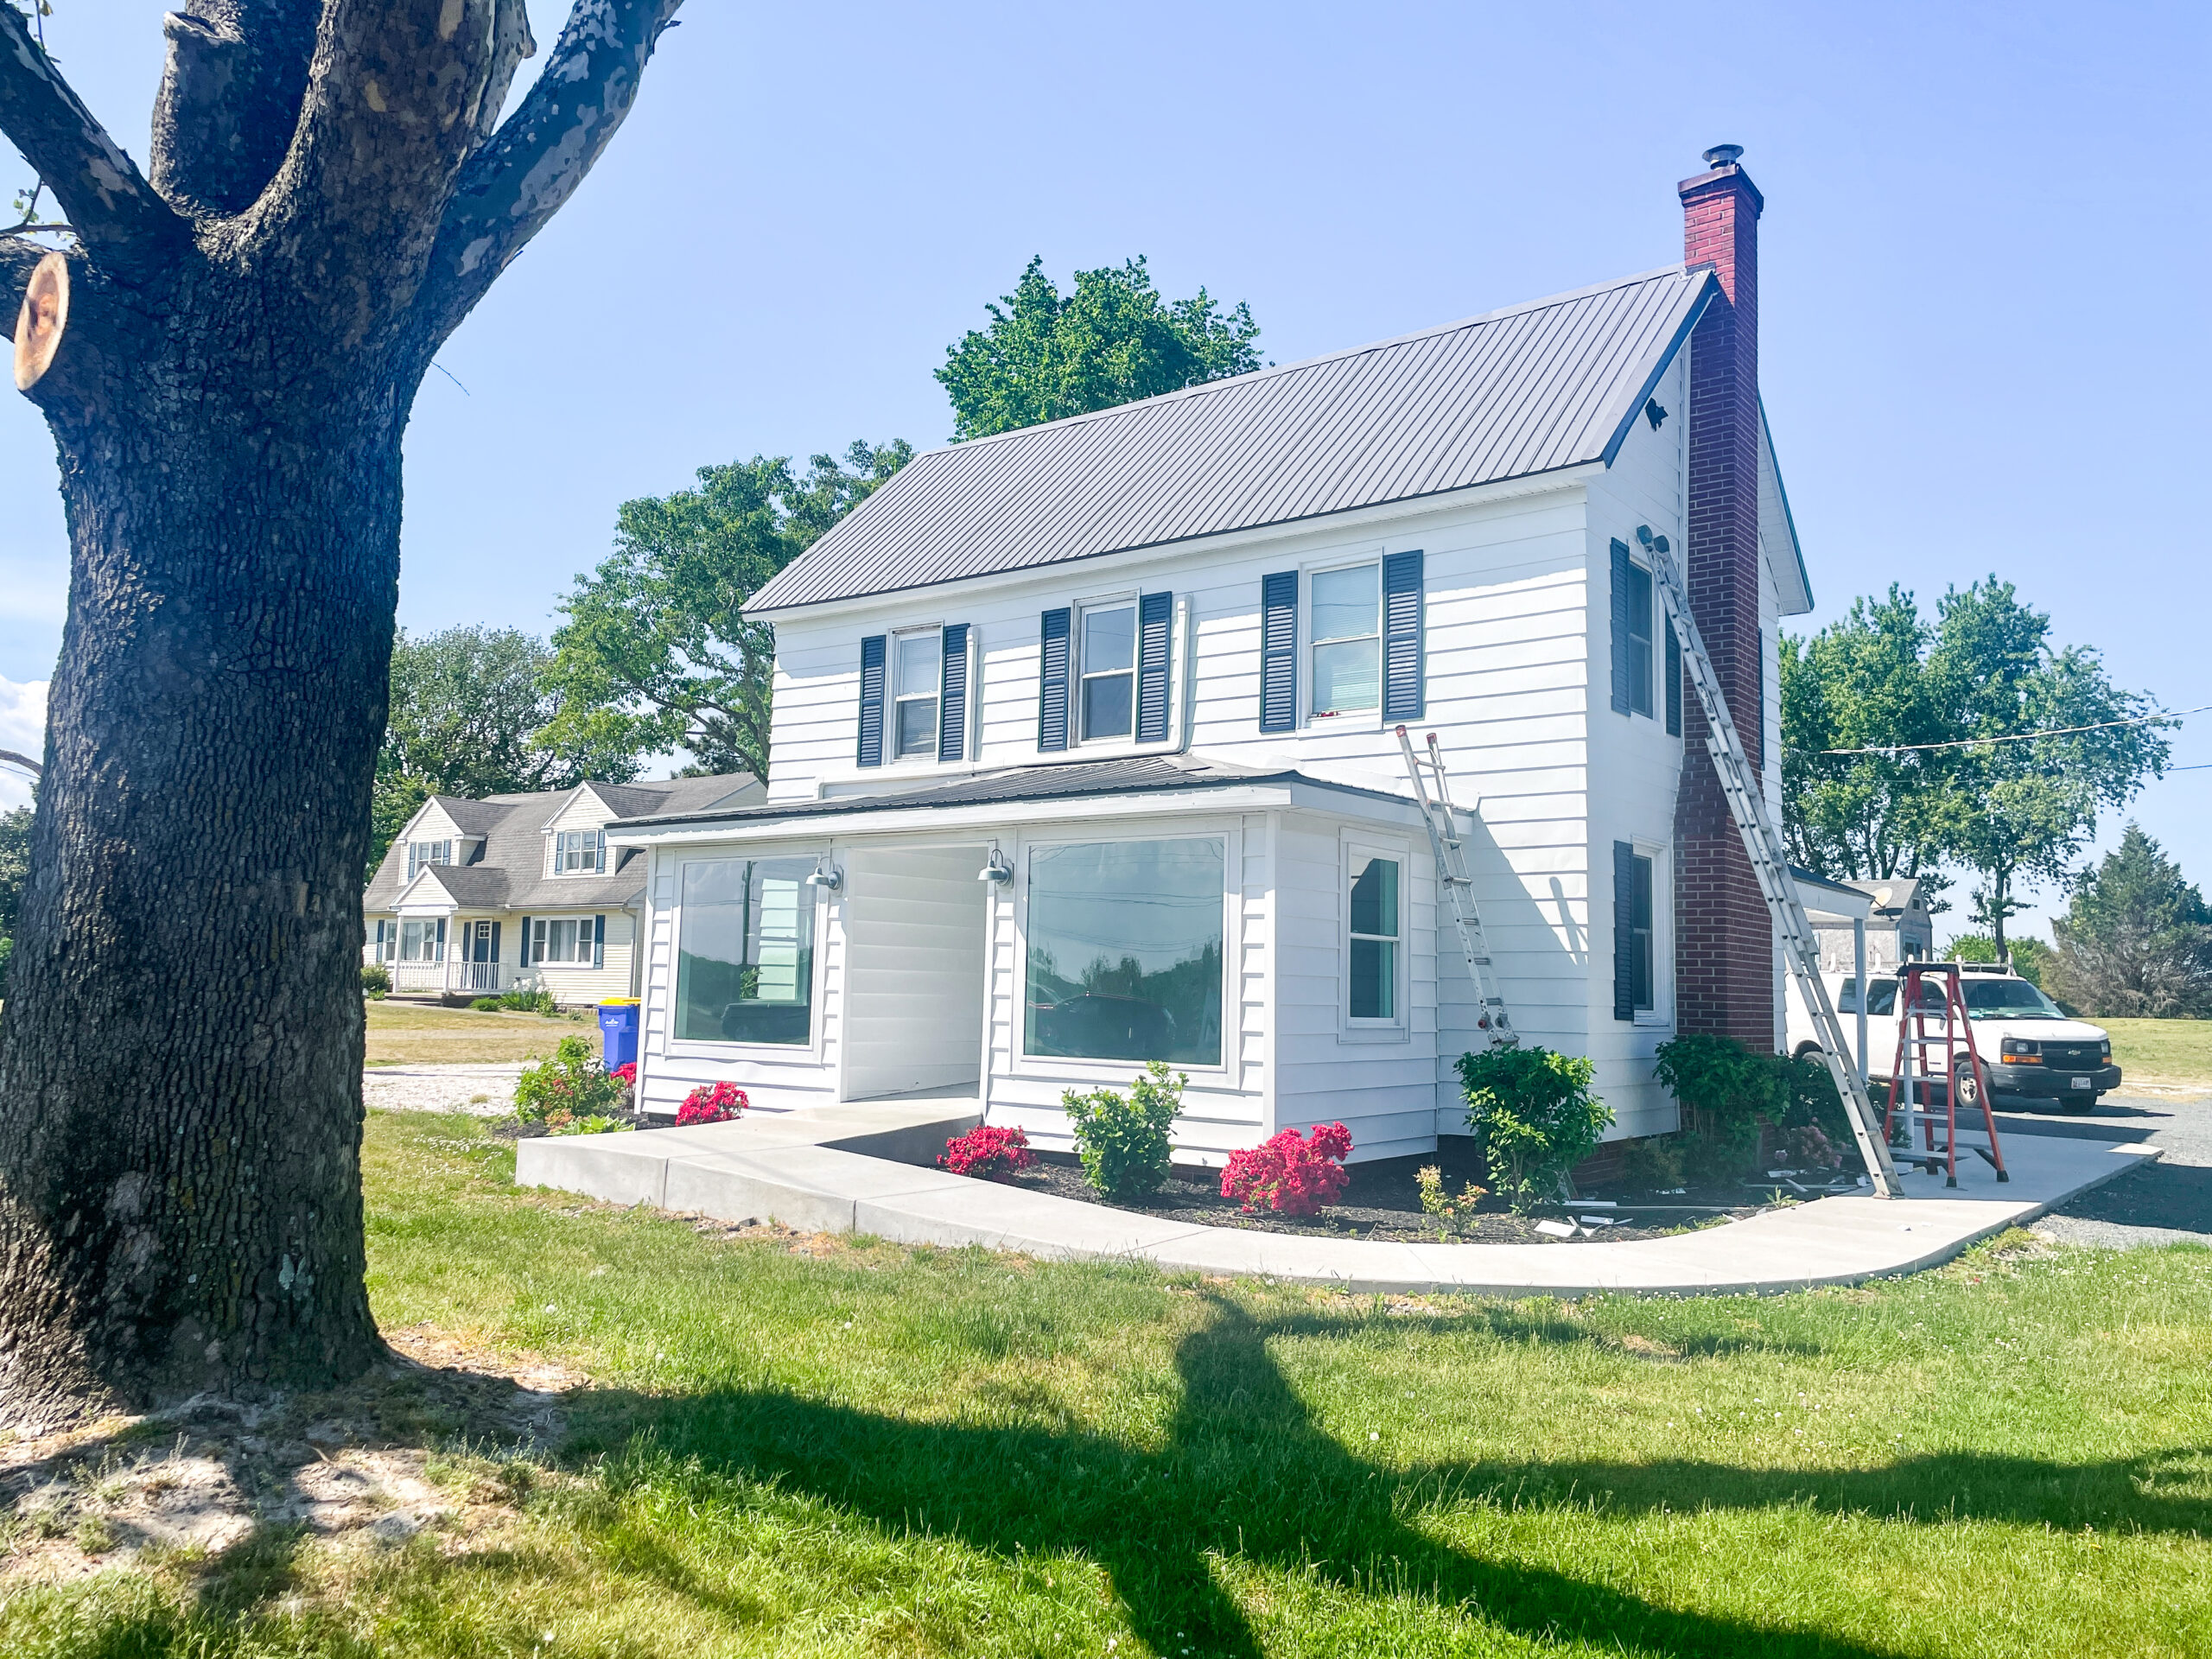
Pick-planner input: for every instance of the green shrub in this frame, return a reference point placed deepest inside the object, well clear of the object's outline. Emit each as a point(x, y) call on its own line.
point(1533, 1111)
point(376, 979)
point(590, 1123)
point(1730, 1090)
point(485, 1005)
point(571, 1081)
point(519, 1000)
point(1449, 1213)
point(1654, 1165)
point(1809, 1099)
point(1123, 1140)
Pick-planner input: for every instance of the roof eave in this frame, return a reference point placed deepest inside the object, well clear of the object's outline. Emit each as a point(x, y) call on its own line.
point(1783, 527)
point(1627, 423)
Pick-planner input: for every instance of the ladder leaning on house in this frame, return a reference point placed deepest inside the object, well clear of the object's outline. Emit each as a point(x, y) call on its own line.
point(1458, 885)
point(1747, 803)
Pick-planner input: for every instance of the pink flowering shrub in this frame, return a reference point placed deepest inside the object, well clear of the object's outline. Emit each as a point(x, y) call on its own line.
point(987, 1154)
point(711, 1103)
point(1289, 1174)
point(626, 1074)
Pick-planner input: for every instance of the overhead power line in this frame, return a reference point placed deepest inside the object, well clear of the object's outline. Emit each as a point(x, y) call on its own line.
point(2016, 737)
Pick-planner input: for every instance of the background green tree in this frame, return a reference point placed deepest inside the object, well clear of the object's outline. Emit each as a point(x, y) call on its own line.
point(2137, 938)
point(2018, 812)
point(656, 653)
point(15, 871)
point(468, 717)
point(1860, 683)
point(1046, 354)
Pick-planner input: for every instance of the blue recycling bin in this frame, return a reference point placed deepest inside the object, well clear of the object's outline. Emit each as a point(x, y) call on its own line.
point(618, 1033)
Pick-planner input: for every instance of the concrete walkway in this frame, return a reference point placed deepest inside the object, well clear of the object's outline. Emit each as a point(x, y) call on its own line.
point(864, 1168)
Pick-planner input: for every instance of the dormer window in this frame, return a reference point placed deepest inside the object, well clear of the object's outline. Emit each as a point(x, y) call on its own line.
point(422, 854)
point(580, 852)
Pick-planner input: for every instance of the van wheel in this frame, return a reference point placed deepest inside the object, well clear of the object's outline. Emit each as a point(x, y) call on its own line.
point(1807, 1052)
point(1966, 1088)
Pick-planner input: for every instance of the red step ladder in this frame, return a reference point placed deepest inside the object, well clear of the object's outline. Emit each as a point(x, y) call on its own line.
point(1912, 1079)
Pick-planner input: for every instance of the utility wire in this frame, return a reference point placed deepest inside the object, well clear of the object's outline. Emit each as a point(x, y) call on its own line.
point(2017, 737)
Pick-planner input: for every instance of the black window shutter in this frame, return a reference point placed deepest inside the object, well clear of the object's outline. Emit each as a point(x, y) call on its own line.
point(1402, 693)
point(871, 752)
point(598, 941)
point(1623, 930)
point(1620, 628)
point(1279, 651)
point(1052, 683)
point(1154, 632)
point(952, 703)
point(522, 948)
point(1674, 681)
point(495, 942)
point(441, 957)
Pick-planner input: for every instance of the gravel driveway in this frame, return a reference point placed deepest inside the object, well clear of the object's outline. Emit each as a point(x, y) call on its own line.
point(482, 1091)
point(2166, 1203)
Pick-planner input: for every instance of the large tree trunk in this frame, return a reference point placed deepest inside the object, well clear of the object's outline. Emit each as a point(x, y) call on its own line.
point(182, 1050)
point(332, 190)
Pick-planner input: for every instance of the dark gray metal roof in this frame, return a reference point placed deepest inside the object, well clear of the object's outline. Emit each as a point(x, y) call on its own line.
point(1542, 386)
point(1011, 786)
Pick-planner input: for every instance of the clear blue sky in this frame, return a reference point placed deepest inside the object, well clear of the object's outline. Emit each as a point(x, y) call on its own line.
point(1983, 278)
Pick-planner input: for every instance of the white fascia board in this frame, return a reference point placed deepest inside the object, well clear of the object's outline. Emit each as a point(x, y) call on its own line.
point(1178, 554)
point(1778, 531)
point(988, 818)
point(567, 799)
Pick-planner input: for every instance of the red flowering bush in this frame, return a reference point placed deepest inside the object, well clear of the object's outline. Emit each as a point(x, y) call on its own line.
point(711, 1103)
point(626, 1074)
point(987, 1154)
point(1289, 1174)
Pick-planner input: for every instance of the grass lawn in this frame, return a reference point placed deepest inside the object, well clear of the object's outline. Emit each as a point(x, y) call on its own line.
point(795, 1446)
point(411, 1031)
point(2170, 1053)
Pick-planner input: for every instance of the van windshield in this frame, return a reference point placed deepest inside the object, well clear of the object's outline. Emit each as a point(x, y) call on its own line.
point(2008, 999)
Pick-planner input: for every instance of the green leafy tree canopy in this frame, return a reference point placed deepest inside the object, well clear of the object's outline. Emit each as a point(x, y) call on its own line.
point(2136, 940)
point(656, 653)
point(1113, 340)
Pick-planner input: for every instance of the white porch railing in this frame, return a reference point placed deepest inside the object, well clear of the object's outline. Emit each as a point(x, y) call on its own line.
point(461, 978)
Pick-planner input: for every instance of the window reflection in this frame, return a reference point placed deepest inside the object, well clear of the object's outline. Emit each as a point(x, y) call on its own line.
point(745, 951)
point(1125, 951)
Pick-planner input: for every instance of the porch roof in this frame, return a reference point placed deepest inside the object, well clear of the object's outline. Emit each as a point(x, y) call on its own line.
point(1066, 782)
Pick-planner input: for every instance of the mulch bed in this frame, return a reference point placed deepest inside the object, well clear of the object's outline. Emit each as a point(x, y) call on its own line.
point(1381, 1202)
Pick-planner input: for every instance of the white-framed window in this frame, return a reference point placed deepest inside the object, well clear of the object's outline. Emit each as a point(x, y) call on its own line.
point(1640, 610)
point(745, 951)
point(422, 853)
point(423, 940)
point(563, 941)
point(1374, 935)
point(1345, 640)
point(1124, 948)
point(918, 677)
point(579, 852)
point(1640, 918)
point(1106, 670)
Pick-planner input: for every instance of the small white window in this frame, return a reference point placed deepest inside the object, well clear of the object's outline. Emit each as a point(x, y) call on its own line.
point(421, 853)
point(1639, 639)
point(1347, 641)
point(920, 672)
point(560, 940)
point(1372, 953)
point(422, 941)
point(579, 852)
point(1642, 959)
point(1109, 669)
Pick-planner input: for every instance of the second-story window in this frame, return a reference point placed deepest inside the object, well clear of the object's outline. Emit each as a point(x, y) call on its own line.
point(579, 851)
point(917, 676)
point(422, 853)
point(1347, 641)
point(1108, 664)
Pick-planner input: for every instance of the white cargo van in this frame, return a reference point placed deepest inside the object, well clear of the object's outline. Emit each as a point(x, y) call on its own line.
point(2036, 1055)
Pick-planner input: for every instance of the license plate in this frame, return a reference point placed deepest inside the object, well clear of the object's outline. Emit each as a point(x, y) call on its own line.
point(2085, 1083)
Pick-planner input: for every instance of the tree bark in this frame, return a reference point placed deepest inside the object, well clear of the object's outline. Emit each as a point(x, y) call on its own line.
point(180, 1050)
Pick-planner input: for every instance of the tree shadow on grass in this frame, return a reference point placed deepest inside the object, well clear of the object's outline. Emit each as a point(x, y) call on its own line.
point(1244, 1473)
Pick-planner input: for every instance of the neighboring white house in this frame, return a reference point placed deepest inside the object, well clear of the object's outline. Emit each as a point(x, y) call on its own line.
point(475, 898)
point(1084, 744)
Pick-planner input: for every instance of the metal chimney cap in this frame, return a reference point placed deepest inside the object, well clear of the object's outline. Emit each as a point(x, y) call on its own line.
point(1723, 155)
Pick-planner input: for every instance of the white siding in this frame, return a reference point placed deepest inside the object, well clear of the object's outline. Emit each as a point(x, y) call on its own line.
point(914, 923)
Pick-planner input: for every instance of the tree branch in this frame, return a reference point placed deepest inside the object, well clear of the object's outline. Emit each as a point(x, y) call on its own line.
point(98, 187)
point(537, 159)
point(18, 258)
point(229, 98)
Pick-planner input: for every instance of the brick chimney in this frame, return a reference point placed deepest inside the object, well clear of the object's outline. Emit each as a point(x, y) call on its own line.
point(1724, 941)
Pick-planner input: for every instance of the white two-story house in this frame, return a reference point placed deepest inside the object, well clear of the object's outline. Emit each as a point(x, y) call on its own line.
point(1084, 745)
point(475, 898)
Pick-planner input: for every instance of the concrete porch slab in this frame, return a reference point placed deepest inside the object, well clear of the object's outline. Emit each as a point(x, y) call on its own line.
point(827, 1169)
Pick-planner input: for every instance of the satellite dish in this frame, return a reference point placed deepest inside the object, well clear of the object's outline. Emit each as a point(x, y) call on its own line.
point(40, 324)
point(1882, 896)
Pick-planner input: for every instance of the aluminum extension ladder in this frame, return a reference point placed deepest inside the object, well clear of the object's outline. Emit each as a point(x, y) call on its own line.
point(1912, 1078)
point(1458, 885)
point(1747, 804)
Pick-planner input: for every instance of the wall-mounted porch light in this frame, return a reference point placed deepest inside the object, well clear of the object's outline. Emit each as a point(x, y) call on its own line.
point(828, 880)
point(996, 871)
